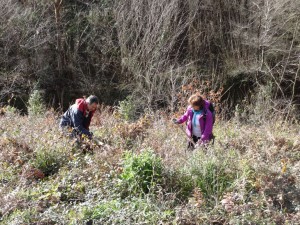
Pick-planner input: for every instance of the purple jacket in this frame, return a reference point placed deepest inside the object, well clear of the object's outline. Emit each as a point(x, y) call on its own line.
point(206, 125)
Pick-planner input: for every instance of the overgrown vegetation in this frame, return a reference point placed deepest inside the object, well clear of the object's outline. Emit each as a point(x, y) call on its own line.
point(144, 59)
point(249, 176)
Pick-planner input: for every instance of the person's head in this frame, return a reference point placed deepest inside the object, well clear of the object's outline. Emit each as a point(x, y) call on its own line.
point(196, 101)
point(92, 102)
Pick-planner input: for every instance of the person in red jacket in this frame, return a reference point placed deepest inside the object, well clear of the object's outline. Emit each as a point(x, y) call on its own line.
point(79, 116)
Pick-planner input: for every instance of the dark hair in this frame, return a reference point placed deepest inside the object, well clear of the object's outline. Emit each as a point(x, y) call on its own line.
point(92, 99)
point(196, 100)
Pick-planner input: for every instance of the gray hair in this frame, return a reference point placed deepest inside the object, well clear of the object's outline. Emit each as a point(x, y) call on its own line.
point(92, 99)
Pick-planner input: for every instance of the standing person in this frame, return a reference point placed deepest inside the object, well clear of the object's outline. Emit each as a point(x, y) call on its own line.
point(79, 116)
point(199, 120)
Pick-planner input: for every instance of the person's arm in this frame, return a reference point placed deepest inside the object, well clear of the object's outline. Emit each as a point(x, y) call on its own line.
point(88, 120)
point(184, 117)
point(77, 118)
point(208, 127)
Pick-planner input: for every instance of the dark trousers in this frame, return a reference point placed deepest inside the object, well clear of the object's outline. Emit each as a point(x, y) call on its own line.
point(191, 145)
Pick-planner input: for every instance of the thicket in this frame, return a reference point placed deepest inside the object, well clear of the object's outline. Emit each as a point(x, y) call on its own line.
point(149, 49)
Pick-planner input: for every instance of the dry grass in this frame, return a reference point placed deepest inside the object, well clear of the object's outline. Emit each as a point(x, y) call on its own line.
point(259, 166)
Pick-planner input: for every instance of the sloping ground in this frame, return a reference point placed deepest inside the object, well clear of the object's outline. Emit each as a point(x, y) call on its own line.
point(143, 175)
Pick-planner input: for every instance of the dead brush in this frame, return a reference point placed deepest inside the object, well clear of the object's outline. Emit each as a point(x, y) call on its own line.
point(14, 151)
point(197, 199)
point(203, 88)
point(10, 202)
point(31, 173)
point(103, 112)
point(281, 191)
point(231, 201)
point(133, 130)
point(165, 140)
point(2, 111)
point(91, 145)
point(85, 144)
point(109, 159)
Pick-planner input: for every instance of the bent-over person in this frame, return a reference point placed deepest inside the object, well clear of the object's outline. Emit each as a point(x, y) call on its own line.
point(79, 115)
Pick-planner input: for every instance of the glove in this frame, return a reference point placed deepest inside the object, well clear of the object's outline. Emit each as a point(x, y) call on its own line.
point(175, 121)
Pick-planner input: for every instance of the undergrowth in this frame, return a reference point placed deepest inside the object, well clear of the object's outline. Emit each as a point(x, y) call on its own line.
point(146, 175)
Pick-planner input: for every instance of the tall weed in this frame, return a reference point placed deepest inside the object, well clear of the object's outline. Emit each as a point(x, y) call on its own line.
point(141, 172)
point(212, 174)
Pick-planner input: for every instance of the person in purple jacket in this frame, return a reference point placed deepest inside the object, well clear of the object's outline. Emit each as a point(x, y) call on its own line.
point(199, 121)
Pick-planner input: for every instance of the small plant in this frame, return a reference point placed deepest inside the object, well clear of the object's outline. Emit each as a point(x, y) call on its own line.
point(127, 109)
point(36, 104)
point(47, 161)
point(141, 172)
point(249, 174)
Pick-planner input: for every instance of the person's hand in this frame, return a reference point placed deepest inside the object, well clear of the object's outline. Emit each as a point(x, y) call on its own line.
point(175, 121)
point(199, 143)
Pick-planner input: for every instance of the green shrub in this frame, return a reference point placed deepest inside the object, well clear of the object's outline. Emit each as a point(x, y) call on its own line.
point(36, 104)
point(48, 161)
point(140, 172)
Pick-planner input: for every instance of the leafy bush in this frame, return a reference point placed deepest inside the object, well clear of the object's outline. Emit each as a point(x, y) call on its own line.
point(141, 172)
point(48, 161)
point(36, 104)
